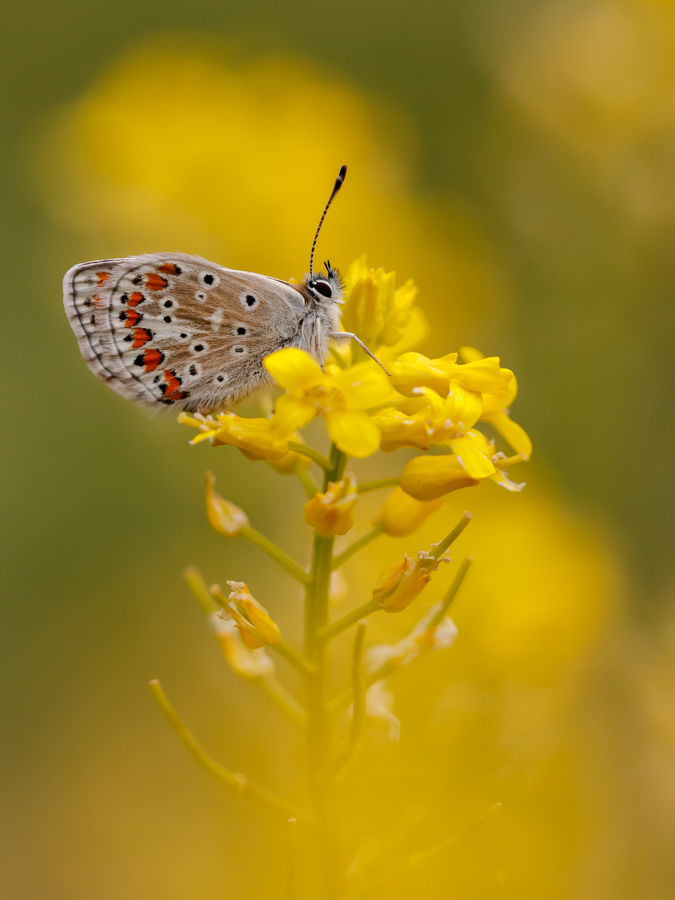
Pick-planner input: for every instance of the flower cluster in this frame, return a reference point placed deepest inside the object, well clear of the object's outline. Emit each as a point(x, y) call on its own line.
point(422, 403)
point(429, 404)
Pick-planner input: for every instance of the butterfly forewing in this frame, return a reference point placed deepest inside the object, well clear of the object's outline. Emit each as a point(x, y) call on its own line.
point(169, 328)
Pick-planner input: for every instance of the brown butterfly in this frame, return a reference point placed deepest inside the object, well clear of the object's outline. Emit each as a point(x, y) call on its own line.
point(168, 328)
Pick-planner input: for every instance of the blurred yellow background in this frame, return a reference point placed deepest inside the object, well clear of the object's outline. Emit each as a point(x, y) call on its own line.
point(515, 159)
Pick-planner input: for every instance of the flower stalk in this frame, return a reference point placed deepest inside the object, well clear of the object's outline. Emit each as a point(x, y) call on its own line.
point(432, 405)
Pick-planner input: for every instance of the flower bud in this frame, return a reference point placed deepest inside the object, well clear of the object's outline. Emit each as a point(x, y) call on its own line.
point(332, 512)
point(225, 518)
point(363, 308)
point(399, 586)
point(412, 370)
point(401, 514)
point(430, 477)
point(246, 663)
point(255, 614)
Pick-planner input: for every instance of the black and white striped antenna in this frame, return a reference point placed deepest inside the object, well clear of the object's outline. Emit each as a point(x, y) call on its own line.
point(338, 184)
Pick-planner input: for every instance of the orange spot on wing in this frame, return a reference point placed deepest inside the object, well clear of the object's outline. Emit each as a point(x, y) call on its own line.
point(135, 298)
point(141, 336)
point(151, 359)
point(170, 269)
point(171, 391)
point(133, 318)
point(98, 301)
point(155, 282)
point(102, 277)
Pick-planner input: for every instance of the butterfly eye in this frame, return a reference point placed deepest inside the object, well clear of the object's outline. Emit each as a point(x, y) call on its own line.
point(323, 288)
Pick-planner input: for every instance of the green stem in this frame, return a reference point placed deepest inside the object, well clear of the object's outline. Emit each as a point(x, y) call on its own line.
point(277, 554)
point(313, 454)
point(368, 486)
point(328, 632)
point(288, 704)
point(359, 702)
point(318, 736)
point(341, 701)
point(234, 780)
point(292, 656)
point(451, 593)
point(440, 549)
point(309, 485)
point(197, 585)
point(342, 558)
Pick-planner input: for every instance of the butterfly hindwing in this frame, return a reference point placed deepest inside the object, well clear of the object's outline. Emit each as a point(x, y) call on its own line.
point(169, 328)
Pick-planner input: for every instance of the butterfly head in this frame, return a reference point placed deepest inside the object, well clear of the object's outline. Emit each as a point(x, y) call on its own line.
point(326, 288)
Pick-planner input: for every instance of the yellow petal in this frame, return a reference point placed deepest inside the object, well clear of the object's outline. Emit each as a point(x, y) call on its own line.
point(294, 370)
point(353, 432)
point(412, 370)
point(463, 407)
point(414, 333)
point(430, 477)
point(291, 413)
point(470, 354)
point(397, 319)
point(362, 385)
point(476, 464)
point(512, 433)
point(504, 481)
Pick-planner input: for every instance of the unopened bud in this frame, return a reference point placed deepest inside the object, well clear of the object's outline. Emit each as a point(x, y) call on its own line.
point(225, 518)
point(401, 514)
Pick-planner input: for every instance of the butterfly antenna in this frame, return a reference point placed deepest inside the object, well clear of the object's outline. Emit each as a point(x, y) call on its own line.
point(338, 184)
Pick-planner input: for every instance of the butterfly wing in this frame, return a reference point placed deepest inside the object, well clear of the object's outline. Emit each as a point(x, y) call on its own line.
point(168, 328)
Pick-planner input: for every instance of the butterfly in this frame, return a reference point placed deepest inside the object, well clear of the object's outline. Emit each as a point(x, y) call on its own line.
point(169, 329)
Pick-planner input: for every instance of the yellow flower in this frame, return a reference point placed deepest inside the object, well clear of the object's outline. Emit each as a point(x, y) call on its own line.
point(495, 408)
point(429, 418)
point(401, 514)
point(252, 436)
point(341, 396)
point(249, 664)
point(413, 370)
point(255, 625)
point(378, 312)
point(430, 477)
point(332, 512)
point(399, 586)
point(225, 518)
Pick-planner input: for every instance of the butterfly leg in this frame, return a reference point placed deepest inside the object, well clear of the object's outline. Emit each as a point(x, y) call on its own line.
point(348, 334)
point(317, 338)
